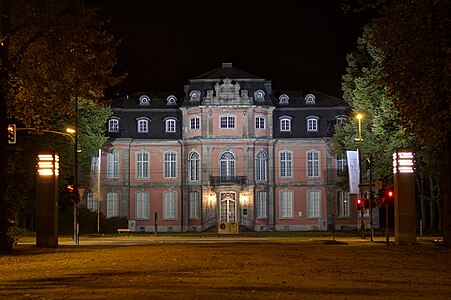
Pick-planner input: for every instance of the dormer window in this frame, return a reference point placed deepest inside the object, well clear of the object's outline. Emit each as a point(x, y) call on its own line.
point(144, 100)
point(340, 119)
point(312, 123)
point(113, 125)
point(171, 100)
point(143, 124)
point(170, 124)
point(194, 96)
point(259, 95)
point(285, 123)
point(283, 99)
point(310, 99)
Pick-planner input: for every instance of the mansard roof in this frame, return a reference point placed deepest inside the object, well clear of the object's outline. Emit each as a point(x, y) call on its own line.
point(226, 71)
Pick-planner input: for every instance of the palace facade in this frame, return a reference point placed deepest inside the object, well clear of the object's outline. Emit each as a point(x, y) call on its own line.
point(232, 153)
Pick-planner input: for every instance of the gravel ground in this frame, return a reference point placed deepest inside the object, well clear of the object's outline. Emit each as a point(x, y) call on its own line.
point(225, 268)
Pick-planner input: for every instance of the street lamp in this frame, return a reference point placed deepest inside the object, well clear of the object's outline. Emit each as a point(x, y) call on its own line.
point(359, 117)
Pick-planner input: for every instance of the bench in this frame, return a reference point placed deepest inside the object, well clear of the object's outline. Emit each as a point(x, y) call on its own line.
point(123, 230)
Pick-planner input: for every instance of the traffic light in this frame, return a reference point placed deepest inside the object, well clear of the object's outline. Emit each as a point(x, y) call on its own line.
point(70, 188)
point(11, 133)
point(359, 203)
point(389, 194)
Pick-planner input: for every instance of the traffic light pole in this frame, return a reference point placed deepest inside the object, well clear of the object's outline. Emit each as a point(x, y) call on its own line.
point(76, 237)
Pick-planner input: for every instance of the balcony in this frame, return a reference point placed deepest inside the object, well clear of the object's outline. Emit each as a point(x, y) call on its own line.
point(228, 180)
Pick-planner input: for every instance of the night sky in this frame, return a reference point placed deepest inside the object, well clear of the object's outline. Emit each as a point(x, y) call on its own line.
point(295, 44)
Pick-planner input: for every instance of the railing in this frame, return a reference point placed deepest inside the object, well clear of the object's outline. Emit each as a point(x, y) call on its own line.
point(225, 180)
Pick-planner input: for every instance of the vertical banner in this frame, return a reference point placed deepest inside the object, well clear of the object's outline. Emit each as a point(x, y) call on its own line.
point(353, 171)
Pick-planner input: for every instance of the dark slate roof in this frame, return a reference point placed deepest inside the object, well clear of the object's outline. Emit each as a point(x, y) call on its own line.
point(157, 100)
point(226, 71)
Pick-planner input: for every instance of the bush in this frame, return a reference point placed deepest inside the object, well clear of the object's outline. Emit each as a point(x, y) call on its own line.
point(111, 225)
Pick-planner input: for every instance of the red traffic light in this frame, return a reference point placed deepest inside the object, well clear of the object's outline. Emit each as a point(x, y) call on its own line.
point(70, 188)
point(359, 203)
point(389, 193)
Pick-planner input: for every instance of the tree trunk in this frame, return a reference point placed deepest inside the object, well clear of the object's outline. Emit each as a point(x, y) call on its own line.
point(6, 243)
point(446, 194)
point(420, 188)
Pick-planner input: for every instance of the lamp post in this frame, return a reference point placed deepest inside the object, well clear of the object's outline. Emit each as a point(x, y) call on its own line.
point(75, 174)
point(359, 117)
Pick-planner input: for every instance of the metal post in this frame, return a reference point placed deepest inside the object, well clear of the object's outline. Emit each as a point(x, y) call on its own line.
point(156, 223)
point(371, 199)
point(387, 238)
point(99, 161)
point(76, 242)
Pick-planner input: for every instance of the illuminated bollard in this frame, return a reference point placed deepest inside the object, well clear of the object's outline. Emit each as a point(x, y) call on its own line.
point(405, 214)
point(47, 200)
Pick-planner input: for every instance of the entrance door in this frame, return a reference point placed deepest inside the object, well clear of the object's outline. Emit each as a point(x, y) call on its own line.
point(227, 209)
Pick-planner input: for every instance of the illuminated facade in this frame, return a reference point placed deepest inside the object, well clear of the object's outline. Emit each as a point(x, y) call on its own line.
point(231, 150)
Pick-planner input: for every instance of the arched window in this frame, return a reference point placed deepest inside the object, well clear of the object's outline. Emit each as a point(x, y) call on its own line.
point(113, 125)
point(112, 204)
point(143, 124)
point(194, 166)
point(312, 123)
point(170, 205)
point(142, 205)
point(170, 125)
point(261, 166)
point(285, 124)
point(227, 164)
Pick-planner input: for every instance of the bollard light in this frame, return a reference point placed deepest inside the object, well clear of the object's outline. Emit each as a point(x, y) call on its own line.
point(48, 165)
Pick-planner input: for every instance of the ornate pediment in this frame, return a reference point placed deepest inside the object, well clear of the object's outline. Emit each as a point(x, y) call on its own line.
point(227, 93)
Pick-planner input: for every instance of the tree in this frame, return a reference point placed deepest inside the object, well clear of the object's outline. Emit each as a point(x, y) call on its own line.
point(415, 39)
point(366, 95)
point(52, 52)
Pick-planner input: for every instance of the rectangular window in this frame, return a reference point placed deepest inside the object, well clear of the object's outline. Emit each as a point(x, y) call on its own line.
point(285, 125)
point(113, 125)
point(313, 203)
point(170, 163)
point(341, 166)
point(143, 126)
point(227, 122)
point(112, 204)
point(91, 202)
point(194, 123)
point(313, 164)
point(262, 202)
point(259, 123)
point(194, 205)
point(312, 125)
point(285, 164)
point(112, 165)
point(142, 165)
point(142, 205)
point(343, 204)
point(286, 204)
point(170, 205)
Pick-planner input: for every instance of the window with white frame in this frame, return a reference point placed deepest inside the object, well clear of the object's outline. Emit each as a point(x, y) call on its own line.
point(261, 164)
point(285, 164)
point(143, 125)
point(142, 165)
point(170, 165)
point(285, 124)
point(313, 204)
point(260, 122)
point(227, 122)
point(340, 119)
point(312, 123)
point(343, 204)
point(194, 205)
point(170, 125)
point(227, 164)
point(194, 123)
point(194, 164)
point(112, 165)
point(262, 204)
point(112, 204)
point(142, 205)
point(286, 204)
point(341, 165)
point(91, 202)
point(170, 205)
point(313, 166)
point(113, 125)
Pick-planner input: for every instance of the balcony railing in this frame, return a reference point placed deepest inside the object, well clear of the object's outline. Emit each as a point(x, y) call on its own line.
point(225, 180)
